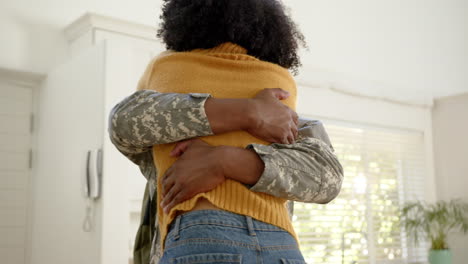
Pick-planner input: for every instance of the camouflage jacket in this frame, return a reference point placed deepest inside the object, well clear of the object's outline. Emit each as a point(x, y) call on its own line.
point(306, 171)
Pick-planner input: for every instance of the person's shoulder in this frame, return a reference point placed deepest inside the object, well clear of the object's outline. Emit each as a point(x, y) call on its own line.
point(163, 55)
point(147, 75)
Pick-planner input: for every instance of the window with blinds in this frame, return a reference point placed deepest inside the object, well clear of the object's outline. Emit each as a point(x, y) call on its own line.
point(382, 169)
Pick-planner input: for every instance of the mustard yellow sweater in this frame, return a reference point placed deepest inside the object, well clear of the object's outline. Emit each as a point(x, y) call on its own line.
point(225, 71)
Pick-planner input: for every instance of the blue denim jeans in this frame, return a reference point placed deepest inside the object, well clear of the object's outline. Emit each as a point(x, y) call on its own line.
point(215, 236)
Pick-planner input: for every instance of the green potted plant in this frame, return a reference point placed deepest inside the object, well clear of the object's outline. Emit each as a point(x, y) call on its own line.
point(434, 222)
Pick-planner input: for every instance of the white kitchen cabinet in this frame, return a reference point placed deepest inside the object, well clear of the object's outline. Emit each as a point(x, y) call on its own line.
point(74, 104)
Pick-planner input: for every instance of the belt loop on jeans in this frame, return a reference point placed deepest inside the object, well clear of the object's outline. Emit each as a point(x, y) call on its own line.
point(177, 227)
point(250, 225)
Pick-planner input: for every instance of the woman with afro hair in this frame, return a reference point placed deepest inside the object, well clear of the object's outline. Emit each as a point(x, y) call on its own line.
point(213, 128)
point(261, 27)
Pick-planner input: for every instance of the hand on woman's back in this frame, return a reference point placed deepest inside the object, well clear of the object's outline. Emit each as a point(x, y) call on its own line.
point(273, 121)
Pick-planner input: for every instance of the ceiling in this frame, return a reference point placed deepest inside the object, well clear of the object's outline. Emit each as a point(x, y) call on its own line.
point(402, 49)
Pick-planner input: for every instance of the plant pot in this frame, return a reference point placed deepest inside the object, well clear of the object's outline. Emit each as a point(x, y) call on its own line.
point(440, 256)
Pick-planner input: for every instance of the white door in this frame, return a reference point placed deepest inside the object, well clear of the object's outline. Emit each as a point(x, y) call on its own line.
point(15, 145)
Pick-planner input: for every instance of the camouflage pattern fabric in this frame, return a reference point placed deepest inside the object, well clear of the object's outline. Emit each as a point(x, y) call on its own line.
point(306, 171)
point(286, 167)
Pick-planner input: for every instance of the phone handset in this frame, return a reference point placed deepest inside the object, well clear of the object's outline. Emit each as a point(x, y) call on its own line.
point(92, 181)
point(92, 185)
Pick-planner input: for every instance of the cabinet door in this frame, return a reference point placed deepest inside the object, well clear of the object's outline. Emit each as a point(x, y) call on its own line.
point(123, 183)
point(70, 122)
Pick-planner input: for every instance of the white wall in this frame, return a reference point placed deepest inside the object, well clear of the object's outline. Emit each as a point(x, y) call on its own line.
point(411, 49)
point(30, 45)
point(32, 36)
point(416, 47)
point(450, 123)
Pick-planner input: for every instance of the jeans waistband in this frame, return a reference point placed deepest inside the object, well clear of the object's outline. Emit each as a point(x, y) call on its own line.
point(221, 218)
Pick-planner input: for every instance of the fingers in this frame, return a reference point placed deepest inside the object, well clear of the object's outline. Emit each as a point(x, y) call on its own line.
point(178, 198)
point(169, 198)
point(296, 119)
point(295, 125)
point(167, 182)
point(294, 132)
point(180, 148)
point(290, 135)
point(279, 93)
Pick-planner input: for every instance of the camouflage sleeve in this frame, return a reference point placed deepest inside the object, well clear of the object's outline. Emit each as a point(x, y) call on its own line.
point(306, 171)
point(147, 118)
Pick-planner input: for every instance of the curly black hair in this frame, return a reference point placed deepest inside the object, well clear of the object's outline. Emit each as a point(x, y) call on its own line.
point(260, 26)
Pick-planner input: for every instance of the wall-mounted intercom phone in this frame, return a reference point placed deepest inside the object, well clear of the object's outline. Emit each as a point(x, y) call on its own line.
point(92, 186)
point(93, 177)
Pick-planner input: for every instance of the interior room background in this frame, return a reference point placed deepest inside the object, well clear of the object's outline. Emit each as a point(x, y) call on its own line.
point(389, 79)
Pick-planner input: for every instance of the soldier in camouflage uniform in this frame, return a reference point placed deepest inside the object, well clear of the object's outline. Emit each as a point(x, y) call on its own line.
point(306, 170)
